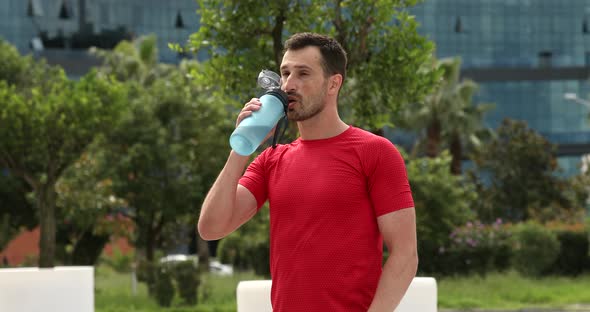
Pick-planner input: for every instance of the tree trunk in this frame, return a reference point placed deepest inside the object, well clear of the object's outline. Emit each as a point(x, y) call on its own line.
point(88, 249)
point(457, 153)
point(46, 203)
point(277, 37)
point(433, 137)
point(203, 253)
point(149, 243)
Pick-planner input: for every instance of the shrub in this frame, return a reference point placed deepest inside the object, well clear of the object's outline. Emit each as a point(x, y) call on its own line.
point(573, 258)
point(187, 281)
point(146, 273)
point(535, 249)
point(248, 247)
point(443, 202)
point(246, 252)
point(477, 248)
point(119, 261)
point(163, 287)
point(231, 251)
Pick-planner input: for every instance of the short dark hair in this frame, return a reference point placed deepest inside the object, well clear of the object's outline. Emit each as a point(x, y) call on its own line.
point(333, 55)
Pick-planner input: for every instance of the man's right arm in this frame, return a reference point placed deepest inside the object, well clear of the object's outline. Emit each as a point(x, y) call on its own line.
point(228, 205)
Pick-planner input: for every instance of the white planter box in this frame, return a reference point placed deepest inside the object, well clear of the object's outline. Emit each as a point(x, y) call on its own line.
point(254, 296)
point(64, 289)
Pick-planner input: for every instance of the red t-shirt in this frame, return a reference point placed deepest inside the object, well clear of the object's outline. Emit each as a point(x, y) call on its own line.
point(324, 198)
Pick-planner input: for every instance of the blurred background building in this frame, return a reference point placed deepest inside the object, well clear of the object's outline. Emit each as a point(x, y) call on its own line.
point(62, 30)
point(530, 57)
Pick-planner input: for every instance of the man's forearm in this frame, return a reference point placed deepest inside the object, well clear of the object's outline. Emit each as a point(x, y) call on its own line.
point(398, 272)
point(219, 203)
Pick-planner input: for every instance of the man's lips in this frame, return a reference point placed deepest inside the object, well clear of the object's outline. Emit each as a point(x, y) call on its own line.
point(293, 99)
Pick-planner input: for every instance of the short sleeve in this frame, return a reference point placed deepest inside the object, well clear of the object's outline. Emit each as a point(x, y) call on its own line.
point(255, 179)
point(389, 188)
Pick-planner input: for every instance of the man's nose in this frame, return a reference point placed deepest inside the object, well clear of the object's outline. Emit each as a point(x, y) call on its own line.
point(288, 84)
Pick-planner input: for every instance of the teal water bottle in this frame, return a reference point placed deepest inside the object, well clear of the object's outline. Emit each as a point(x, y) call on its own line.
point(253, 129)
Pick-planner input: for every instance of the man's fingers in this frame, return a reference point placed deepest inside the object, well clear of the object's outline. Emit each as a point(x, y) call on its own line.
point(252, 106)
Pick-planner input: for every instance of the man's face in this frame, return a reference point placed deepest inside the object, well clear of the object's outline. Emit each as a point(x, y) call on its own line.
point(303, 79)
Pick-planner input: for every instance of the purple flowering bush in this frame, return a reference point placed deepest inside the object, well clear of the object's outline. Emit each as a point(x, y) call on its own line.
point(477, 248)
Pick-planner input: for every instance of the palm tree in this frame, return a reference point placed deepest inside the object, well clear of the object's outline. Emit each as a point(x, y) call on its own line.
point(447, 115)
point(465, 123)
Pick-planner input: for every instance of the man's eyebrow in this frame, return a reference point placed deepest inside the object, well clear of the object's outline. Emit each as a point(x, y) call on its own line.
point(299, 66)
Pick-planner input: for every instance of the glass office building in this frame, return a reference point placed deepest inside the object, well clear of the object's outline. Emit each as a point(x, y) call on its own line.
point(59, 22)
point(525, 55)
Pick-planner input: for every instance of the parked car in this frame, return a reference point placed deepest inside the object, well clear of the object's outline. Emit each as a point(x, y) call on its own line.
point(215, 267)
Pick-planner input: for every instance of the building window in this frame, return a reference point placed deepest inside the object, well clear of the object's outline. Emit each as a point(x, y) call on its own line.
point(585, 28)
point(587, 59)
point(458, 25)
point(65, 11)
point(545, 58)
point(179, 22)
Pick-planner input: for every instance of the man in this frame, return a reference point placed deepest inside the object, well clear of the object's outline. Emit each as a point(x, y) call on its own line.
point(335, 194)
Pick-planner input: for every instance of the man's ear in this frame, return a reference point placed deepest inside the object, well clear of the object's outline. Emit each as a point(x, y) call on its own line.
point(335, 84)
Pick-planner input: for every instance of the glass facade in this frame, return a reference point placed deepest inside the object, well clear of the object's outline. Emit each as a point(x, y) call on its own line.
point(521, 34)
point(508, 33)
point(140, 17)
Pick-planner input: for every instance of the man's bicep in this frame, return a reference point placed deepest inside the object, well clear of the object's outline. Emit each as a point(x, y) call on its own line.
point(399, 229)
point(246, 206)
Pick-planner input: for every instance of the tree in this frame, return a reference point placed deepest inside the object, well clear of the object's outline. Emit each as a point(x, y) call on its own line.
point(448, 115)
point(517, 177)
point(46, 122)
point(89, 211)
point(387, 57)
point(443, 202)
point(163, 155)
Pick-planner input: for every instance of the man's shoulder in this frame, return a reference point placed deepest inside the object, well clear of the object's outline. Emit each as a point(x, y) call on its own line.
point(370, 139)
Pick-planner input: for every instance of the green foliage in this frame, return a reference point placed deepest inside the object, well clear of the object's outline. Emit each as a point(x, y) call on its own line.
point(513, 292)
point(164, 154)
point(164, 290)
point(187, 280)
point(518, 177)
point(165, 279)
point(535, 249)
point(442, 202)
point(496, 291)
point(248, 247)
point(448, 115)
point(119, 261)
point(47, 121)
point(574, 254)
point(15, 211)
point(477, 248)
point(388, 59)
point(146, 273)
point(88, 207)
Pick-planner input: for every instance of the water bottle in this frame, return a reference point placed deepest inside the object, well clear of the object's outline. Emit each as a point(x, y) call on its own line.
point(253, 129)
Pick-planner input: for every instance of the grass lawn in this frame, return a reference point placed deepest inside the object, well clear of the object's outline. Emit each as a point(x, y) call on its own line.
point(511, 291)
point(113, 294)
point(496, 291)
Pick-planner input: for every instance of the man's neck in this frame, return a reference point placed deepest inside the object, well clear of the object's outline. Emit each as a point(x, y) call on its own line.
point(322, 126)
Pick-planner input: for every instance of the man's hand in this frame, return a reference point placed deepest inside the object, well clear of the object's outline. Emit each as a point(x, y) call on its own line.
point(248, 109)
